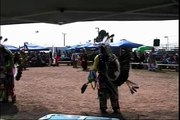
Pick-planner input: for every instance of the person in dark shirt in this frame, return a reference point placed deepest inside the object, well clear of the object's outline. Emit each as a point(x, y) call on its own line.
point(83, 59)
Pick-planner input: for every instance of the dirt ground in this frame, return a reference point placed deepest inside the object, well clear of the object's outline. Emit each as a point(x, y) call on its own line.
point(49, 90)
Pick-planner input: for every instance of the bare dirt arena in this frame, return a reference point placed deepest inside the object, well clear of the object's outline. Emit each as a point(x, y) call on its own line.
point(49, 90)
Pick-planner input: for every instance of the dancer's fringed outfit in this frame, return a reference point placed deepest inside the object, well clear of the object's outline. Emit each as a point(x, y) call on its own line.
point(7, 75)
point(106, 88)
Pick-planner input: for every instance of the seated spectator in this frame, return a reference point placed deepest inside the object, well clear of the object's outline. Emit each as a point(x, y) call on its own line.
point(172, 59)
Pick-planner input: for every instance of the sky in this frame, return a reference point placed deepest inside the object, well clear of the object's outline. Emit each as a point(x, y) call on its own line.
point(48, 35)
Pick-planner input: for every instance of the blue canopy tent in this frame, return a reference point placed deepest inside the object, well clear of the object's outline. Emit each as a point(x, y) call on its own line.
point(33, 47)
point(92, 47)
point(73, 48)
point(125, 44)
point(87, 46)
point(80, 47)
point(12, 48)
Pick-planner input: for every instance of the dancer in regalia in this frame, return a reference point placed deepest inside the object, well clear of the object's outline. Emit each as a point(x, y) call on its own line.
point(108, 68)
point(112, 72)
point(7, 75)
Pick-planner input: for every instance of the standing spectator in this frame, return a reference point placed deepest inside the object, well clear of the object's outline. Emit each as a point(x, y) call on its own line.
point(24, 58)
point(151, 61)
point(74, 58)
point(83, 59)
point(17, 66)
point(57, 59)
point(50, 58)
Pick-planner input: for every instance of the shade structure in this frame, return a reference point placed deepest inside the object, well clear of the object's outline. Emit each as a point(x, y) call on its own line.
point(80, 47)
point(92, 47)
point(144, 48)
point(68, 11)
point(72, 48)
point(125, 44)
point(11, 47)
point(33, 47)
point(87, 46)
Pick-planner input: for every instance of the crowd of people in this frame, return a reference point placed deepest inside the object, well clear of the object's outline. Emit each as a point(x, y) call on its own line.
point(109, 70)
point(153, 58)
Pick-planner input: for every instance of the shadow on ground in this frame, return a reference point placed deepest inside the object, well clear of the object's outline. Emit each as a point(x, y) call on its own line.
point(8, 109)
point(16, 111)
